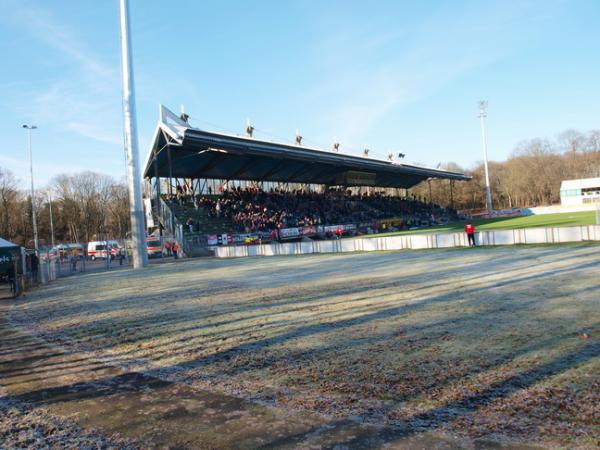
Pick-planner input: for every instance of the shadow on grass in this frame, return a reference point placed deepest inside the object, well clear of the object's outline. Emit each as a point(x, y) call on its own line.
point(334, 322)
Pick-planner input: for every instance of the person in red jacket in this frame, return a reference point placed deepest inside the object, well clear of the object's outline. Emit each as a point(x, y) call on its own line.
point(338, 233)
point(470, 230)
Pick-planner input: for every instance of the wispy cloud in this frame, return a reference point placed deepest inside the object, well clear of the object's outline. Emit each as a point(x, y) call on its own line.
point(47, 29)
point(372, 73)
point(86, 98)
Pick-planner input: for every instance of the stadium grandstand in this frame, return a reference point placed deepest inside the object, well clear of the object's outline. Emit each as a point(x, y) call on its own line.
point(212, 188)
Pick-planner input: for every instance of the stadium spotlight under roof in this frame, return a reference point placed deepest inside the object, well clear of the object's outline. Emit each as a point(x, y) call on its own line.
point(249, 128)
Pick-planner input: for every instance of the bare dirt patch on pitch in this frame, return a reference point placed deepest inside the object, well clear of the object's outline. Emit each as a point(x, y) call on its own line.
point(489, 343)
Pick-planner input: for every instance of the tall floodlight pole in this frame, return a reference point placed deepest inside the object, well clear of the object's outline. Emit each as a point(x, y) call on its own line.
point(51, 218)
point(138, 231)
point(488, 191)
point(29, 128)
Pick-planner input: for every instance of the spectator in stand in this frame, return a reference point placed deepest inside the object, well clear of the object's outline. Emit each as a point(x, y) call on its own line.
point(190, 224)
point(254, 210)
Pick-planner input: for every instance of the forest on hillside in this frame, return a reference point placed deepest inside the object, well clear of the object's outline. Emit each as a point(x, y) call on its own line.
point(531, 175)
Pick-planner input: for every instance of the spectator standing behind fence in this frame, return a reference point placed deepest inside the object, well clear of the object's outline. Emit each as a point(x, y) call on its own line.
point(190, 224)
point(35, 262)
point(175, 250)
point(470, 230)
point(12, 279)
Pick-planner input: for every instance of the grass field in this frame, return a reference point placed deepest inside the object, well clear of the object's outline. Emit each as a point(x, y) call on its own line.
point(539, 220)
point(500, 342)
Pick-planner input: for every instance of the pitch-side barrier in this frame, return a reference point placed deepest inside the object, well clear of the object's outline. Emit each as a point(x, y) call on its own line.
point(553, 235)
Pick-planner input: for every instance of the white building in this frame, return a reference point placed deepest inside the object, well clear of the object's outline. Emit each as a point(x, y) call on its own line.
point(580, 192)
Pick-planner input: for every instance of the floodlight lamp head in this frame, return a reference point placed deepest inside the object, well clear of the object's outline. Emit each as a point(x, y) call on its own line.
point(336, 147)
point(401, 155)
point(366, 152)
point(482, 107)
point(298, 138)
point(391, 156)
point(249, 130)
point(185, 117)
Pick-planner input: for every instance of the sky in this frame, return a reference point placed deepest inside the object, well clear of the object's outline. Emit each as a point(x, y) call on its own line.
point(386, 75)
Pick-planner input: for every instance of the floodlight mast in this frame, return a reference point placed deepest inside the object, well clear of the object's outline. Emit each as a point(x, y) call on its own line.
point(51, 219)
point(488, 191)
point(138, 230)
point(29, 128)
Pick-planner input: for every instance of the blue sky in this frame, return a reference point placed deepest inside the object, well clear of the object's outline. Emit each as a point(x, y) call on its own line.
point(389, 75)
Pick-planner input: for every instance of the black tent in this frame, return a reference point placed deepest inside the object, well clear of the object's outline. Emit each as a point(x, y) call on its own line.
point(9, 253)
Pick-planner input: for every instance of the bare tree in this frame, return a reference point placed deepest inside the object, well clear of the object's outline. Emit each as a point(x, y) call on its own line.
point(10, 204)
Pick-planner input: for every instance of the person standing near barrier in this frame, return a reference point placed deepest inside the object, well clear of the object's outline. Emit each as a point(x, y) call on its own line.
point(470, 230)
point(175, 248)
point(338, 233)
point(12, 279)
point(35, 263)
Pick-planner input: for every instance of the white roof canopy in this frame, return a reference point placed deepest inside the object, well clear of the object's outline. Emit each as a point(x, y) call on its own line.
point(4, 243)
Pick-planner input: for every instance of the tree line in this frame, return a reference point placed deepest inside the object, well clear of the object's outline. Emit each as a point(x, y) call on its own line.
point(531, 176)
point(91, 206)
point(83, 207)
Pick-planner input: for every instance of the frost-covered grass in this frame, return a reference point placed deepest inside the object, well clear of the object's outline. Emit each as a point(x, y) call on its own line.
point(501, 341)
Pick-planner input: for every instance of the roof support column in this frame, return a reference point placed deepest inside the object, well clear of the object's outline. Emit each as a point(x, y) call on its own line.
point(170, 172)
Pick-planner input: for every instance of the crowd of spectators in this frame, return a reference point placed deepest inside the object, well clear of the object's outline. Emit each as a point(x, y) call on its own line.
point(251, 209)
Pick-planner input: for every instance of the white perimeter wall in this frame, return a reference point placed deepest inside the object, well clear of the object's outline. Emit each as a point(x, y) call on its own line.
point(557, 209)
point(418, 241)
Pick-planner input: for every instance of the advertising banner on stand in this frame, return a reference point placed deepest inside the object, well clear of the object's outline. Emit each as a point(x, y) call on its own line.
point(309, 230)
point(148, 212)
point(223, 239)
point(289, 233)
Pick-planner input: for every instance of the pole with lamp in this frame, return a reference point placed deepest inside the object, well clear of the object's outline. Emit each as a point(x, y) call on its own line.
point(29, 129)
point(51, 219)
point(488, 192)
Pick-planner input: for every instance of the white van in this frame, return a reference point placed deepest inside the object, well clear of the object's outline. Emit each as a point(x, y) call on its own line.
point(100, 249)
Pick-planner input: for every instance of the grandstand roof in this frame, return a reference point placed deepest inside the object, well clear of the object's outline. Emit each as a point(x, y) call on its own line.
point(181, 151)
